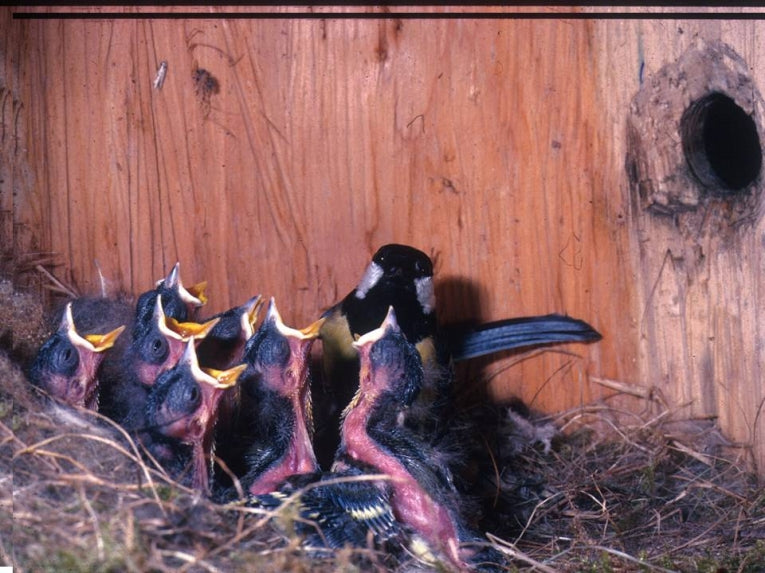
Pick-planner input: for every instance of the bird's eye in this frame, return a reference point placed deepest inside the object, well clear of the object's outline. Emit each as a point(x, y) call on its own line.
point(66, 359)
point(193, 394)
point(157, 349)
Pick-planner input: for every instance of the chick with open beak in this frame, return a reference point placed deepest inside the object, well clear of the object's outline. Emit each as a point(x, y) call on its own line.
point(376, 439)
point(276, 404)
point(224, 344)
point(156, 346)
point(180, 303)
point(181, 412)
point(67, 364)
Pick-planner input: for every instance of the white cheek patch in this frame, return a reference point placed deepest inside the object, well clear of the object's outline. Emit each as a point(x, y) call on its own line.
point(426, 295)
point(370, 278)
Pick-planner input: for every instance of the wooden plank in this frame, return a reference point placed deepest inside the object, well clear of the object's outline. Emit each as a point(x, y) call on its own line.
point(496, 145)
point(698, 278)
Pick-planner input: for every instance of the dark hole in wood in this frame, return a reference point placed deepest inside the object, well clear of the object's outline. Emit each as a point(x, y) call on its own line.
point(721, 143)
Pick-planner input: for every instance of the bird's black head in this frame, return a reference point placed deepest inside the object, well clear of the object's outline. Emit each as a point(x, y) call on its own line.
point(178, 302)
point(172, 305)
point(229, 327)
point(175, 396)
point(278, 349)
point(224, 345)
point(267, 348)
point(158, 343)
point(403, 261)
point(184, 399)
point(66, 364)
point(397, 267)
point(399, 276)
point(390, 364)
point(150, 341)
point(56, 356)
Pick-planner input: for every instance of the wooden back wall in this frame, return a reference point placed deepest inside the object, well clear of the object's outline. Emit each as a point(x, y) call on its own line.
point(500, 146)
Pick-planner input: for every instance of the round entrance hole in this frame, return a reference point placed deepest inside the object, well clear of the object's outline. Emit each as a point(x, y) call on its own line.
point(721, 143)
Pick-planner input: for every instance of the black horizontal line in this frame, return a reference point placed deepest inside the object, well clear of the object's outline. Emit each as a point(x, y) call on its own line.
point(390, 15)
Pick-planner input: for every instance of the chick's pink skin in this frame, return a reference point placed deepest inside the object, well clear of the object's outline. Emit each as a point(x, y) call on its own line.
point(197, 428)
point(81, 389)
point(292, 382)
point(411, 503)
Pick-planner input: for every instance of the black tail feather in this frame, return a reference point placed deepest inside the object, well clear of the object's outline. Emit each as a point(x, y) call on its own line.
point(514, 333)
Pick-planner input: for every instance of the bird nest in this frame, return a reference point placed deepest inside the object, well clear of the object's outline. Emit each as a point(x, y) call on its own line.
point(648, 494)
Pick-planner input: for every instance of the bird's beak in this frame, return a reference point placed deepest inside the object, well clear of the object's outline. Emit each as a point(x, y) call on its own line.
point(173, 278)
point(223, 378)
point(250, 315)
point(67, 327)
point(103, 342)
point(310, 332)
point(196, 294)
point(210, 377)
point(364, 345)
point(389, 323)
point(186, 330)
point(91, 342)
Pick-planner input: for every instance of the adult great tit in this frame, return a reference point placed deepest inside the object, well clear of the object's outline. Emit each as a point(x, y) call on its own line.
point(401, 276)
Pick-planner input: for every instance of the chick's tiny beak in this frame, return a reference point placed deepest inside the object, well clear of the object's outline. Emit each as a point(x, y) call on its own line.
point(312, 331)
point(250, 316)
point(90, 342)
point(186, 330)
point(197, 294)
point(223, 378)
point(194, 295)
point(389, 323)
point(103, 342)
point(173, 277)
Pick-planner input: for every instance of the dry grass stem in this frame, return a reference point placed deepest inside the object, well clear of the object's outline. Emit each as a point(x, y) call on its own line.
point(621, 489)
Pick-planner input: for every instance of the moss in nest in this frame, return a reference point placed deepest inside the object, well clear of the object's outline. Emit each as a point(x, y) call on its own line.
point(22, 324)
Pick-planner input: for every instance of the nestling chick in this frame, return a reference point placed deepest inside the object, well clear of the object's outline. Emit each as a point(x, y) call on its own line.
point(375, 439)
point(179, 303)
point(224, 344)
point(181, 412)
point(223, 348)
point(67, 364)
point(274, 437)
point(155, 345)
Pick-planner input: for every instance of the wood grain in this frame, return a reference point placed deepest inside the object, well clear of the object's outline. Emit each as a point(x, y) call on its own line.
point(498, 146)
